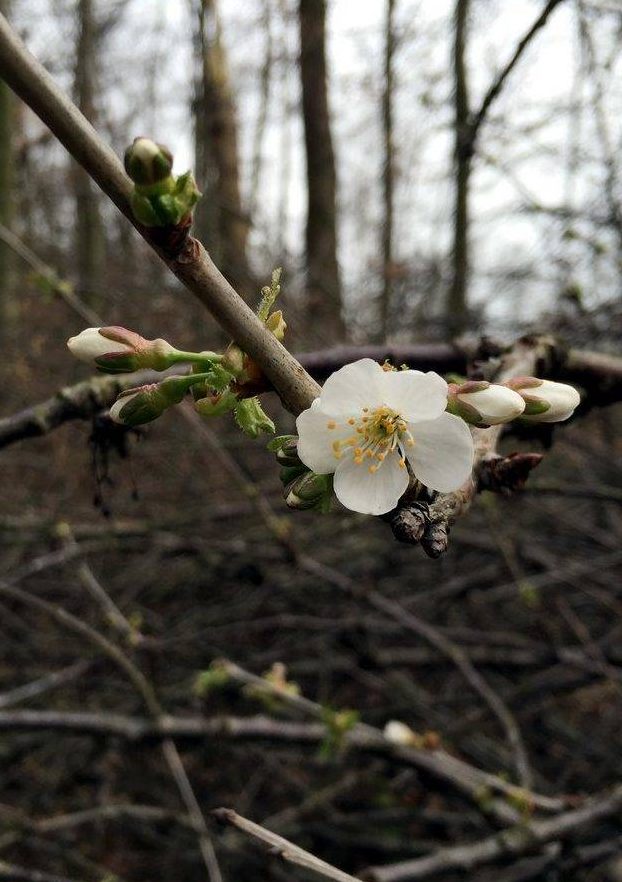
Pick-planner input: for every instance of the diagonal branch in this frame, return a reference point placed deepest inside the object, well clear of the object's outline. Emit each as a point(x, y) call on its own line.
point(497, 85)
point(280, 847)
point(509, 843)
point(184, 256)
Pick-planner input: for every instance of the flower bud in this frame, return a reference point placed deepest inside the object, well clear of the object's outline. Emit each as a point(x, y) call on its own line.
point(147, 162)
point(115, 350)
point(545, 400)
point(484, 404)
point(134, 407)
point(399, 733)
point(233, 359)
point(251, 418)
point(287, 453)
point(309, 491)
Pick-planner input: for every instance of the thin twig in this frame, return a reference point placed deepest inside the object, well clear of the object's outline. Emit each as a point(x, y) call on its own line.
point(280, 847)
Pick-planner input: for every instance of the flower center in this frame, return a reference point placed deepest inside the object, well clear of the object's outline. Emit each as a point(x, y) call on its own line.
point(377, 433)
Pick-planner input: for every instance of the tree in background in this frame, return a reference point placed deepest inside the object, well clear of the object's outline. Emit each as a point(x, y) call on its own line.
point(6, 201)
point(221, 218)
point(323, 279)
point(89, 231)
point(388, 171)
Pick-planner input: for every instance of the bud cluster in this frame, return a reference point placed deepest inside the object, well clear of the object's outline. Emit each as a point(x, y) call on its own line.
point(219, 383)
point(529, 399)
point(303, 489)
point(160, 199)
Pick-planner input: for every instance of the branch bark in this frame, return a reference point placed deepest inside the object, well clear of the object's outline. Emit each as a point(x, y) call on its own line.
point(281, 847)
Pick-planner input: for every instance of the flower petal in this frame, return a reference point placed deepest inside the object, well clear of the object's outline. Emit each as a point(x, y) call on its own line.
point(353, 387)
point(315, 438)
point(415, 396)
point(375, 494)
point(442, 457)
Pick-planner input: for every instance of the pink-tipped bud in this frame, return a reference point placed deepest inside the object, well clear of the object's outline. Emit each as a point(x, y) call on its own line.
point(545, 400)
point(114, 350)
point(484, 404)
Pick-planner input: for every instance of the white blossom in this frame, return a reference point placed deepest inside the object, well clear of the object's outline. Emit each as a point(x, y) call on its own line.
point(368, 422)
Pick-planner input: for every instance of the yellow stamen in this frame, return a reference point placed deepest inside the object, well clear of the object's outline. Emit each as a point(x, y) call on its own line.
point(331, 424)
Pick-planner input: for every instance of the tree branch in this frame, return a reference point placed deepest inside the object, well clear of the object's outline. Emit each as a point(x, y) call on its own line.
point(495, 89)
point(467, 779)
point(280, 847)
point(512, 842)
point(184, 256)
point(599, 374)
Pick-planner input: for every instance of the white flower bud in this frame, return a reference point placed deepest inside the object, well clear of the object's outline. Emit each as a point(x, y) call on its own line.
point(90, 344)
point(399, 733)
point(495, 404)
point(545, 400)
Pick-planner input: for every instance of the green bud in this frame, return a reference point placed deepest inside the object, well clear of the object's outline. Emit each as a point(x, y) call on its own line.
point(217, 404)
point(143, 210)
point(233, 359)
point(290, 472)
point(310, 491)
point(147, 162)
point(135, 407)
point(286, 449)
point(251, 418)
point(159, 199)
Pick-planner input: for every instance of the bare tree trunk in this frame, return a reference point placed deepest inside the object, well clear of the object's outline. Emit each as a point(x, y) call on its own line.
point(221, 218)
point(457, 305)
point(388, 172)
point(323, 281)
point(89, 232)
point(7, 117)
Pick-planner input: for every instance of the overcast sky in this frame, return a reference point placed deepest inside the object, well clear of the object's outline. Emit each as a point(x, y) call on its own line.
point(524, 148)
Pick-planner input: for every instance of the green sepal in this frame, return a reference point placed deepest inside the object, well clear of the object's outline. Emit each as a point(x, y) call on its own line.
point(535, 405)
point(275, 444)
point(216, 405)
point(251, 417)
